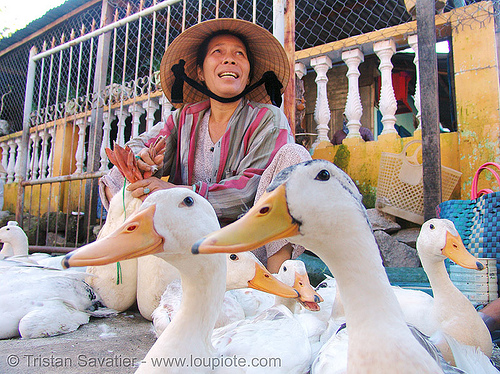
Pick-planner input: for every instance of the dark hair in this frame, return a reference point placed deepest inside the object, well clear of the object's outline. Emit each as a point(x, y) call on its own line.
point(203, 48)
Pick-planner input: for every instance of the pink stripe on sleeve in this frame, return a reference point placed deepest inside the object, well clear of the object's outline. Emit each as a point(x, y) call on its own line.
point(224, 149)
point(253, 126)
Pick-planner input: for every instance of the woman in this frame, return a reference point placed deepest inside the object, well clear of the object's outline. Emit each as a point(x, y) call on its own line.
point(221, 145)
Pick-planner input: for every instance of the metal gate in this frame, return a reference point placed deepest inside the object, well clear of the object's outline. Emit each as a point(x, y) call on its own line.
point(84, 92)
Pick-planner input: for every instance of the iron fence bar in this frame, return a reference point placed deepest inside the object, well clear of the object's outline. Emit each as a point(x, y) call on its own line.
point(49, 83)
point(28, 100)
point(167, 36)
point(151, 56)
point(49, 249)
point(65, 178)
point(97, 115)
point(137, 56)
point(183, 15)
point(107, 28)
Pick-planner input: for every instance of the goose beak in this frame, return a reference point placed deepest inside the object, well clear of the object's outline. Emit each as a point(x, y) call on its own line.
point(266, 221)
point(309, 298)
point(135, 238)
point(455, 250)
point(265, 281)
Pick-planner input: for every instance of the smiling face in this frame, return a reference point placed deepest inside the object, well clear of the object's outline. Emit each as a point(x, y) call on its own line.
point(226, 68)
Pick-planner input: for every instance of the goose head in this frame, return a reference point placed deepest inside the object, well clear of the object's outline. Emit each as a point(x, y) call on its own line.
point(164, 225)
point(167, 224)
point(294, 273)
point(14, 239)
point(439, 239)
point(303, 203)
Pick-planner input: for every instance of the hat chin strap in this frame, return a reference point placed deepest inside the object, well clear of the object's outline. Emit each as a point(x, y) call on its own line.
point(269, 79)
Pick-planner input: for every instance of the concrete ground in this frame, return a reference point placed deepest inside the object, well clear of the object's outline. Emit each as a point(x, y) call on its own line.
point(105, 345)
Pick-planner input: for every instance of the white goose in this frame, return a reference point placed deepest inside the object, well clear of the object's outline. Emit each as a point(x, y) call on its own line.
point(317, 205)
point(36, 301)
point(116, 283)
point(123, 283)
point(451, 311)
point(240, 268)
point(14, 239)
point(144, 279)
point(449, 314)
point(38, 298)
point(164, 226)
point(16, 248)
point(292, 273)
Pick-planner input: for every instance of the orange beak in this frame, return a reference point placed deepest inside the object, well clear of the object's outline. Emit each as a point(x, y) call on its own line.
point(309, 298)
point(266, 221)
point(455, 250)
point(135, 238)
point(265, 281)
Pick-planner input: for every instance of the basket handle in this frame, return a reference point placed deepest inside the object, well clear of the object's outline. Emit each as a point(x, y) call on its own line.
point(474, 194)
point(413, 157)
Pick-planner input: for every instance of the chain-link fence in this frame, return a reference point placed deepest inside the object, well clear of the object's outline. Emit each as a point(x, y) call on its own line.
point(14, 64)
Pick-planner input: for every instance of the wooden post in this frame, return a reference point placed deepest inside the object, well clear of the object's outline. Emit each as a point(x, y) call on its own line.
point(431, 150)
point(289, 96)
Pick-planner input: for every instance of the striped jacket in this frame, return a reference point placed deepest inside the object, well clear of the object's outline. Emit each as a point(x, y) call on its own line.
point(254, 134)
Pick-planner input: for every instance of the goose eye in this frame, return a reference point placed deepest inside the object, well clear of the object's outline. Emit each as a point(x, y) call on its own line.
point(131, 228)
point(189, 201)
point(284, 268)
point(322, 285)
point(323, 175)
point(432, 227)
point(233, 257)
point(7, 229)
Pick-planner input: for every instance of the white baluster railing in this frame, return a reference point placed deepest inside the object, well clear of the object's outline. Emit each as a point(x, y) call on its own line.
point(17, 167)
point(322, 114)
point(29, 171)
point(151, 106)
point(12, 161)
point(387, 104)
point(5, 160)
point(166, 108)
point(300, 70)
point(121, 114)
point(353, 107)
point(52, 133)
point(108, 117)
point(44, 135)
point(35, 152)
point(80, 149)
point(136, 110)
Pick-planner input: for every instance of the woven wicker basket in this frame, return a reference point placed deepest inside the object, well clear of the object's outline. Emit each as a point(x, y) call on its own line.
point(400, 184)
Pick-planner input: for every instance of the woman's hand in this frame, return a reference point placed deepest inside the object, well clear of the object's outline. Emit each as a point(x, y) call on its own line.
point(142, 188)
point(147, 165)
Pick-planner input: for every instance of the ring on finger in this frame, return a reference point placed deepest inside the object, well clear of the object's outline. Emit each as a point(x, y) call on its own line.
point(146, 190)
point(137, 157)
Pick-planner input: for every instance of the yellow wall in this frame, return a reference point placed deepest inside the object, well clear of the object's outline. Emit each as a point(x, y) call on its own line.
point(361, 160)
point(477, 93)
